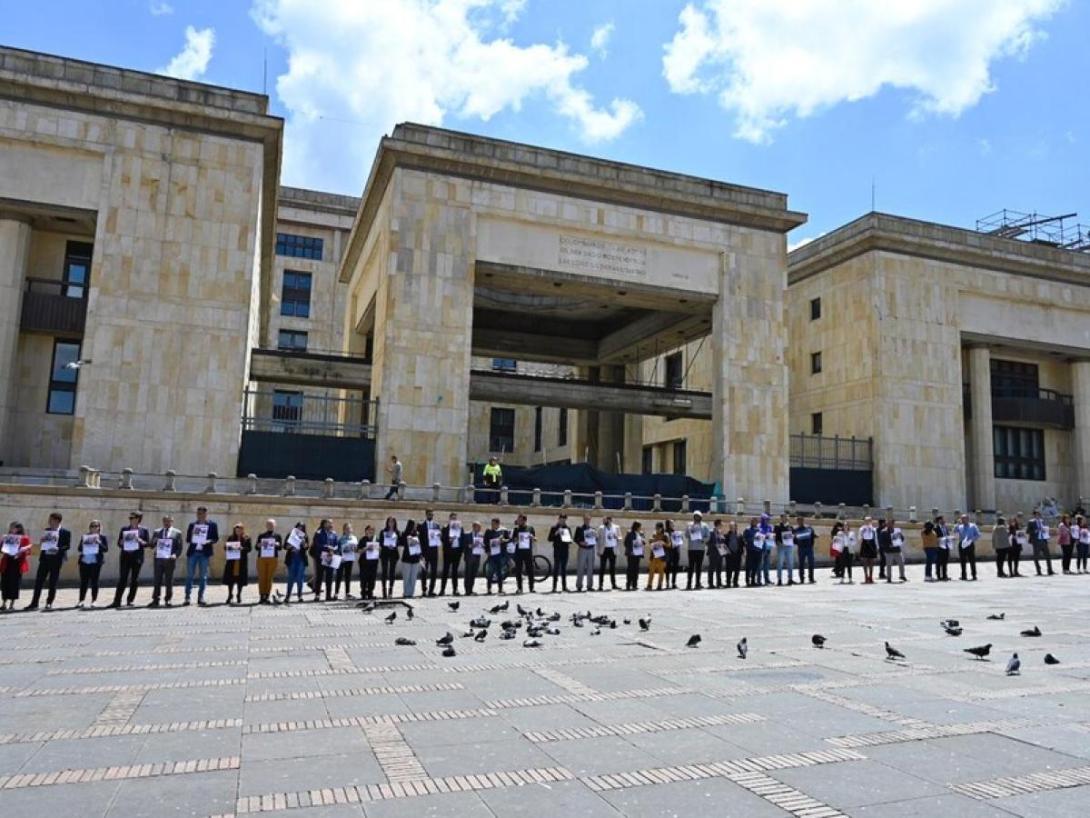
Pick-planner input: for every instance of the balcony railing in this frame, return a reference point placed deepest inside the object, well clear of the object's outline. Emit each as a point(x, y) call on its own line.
point(48, 307)
point(840, 453)
point(1029, 405)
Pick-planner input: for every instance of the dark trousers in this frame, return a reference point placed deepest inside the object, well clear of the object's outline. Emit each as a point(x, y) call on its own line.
point(1040, 550)
point(316, 579)
point(967, 557)
point(632, 573)
point(343, 574)
point(430, 572)
point(753, 566)
point(162, 578)
point(844, 564)
point(609, 556)
point(696, 562)
point(473, 567)
point(732, 564)
point(806, 561)
point(49, 571)
point(881, 564)
point(88, 578)
point(715, 568)
point(1066, 552)
point(388, 557)
point(1001, 557)
point(524, 562)
point(673, 566)
point(560, 565)
point(392, 493)
point(1014, 557)
point(368, 574)
point(452, 558)
point(942, 564)
point(1082, 552)
point(325, 578)
point(128, 575)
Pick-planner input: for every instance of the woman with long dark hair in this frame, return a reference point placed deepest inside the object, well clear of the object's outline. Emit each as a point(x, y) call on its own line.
point(388, 540)
point(236, 566)
point(13, 563)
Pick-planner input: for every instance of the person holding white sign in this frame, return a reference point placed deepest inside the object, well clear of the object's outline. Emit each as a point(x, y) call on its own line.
point(347, 550)
point(411, 556)
point(1039, 534)
point(322, 547)
point(1019, 542)
point(1001, 543)
point(13, 564)
point(201, 535)
point(53, 551)
point(389, 539)
point(166, 543)
point(1066, 542)
point(609, 540)
point(561, 537)
point(697, 534)
point(895, 551)
point(656, 566)
point(868, 549)
point(496, 542)
point(784, 535)
point(754, 539)
point(236, 564)
point(431, 539)
point(634, 546)
point(805, 539)
point(586, 544)
point(1082, 546)
point(715, 551)
point(455, 543)
point(131, 542)
point(269, 544)
point(92, 550)
point(370, 553)
point(968, 534)
point(946, 544)
point(475, 550)
point(673, 553)
point(523, 537)
point(295, 560)
point(732, 562)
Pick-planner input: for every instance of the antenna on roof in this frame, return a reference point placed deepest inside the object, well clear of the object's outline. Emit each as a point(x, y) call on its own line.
point(265, 71)
point(873, 190)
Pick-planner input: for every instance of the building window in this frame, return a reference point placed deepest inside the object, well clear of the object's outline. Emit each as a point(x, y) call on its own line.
point(815, 309)
point(647, 464)
point(562, 428)
point(815, 423)
point(673, 375)
point(501, 430)
point(1019, 453)
point(77, 269)
point(295, 294)
point(63, 378)
point(504, 365)
point(287, 409)
point(291, 340)
point(679, 457)
point(1014, 379)
point(537, 429)
point(815, 363)
point(288, 244)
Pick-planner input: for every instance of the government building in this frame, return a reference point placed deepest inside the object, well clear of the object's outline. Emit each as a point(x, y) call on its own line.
point(166, 304)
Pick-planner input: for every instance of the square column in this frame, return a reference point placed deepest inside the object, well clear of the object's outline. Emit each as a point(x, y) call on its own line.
point(981, 471)
point(14, 256)
point(423, 337)
point(749, 372)
point(1080, 382)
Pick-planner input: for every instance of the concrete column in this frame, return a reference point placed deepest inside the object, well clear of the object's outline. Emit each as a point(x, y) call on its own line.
point(749, 371)
point(586, 424)
point(14, 255)
point(1080, 383)
point(981, 470)
point(423, 329)
point(611, 425)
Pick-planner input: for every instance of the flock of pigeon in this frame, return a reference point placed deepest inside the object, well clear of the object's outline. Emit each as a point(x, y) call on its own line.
point(539, 624)
point(981, 652)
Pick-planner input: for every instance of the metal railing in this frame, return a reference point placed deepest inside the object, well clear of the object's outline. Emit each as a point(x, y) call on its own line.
point(52, 305)
point(307, 413)
point(822, 452)
point(1027, 404)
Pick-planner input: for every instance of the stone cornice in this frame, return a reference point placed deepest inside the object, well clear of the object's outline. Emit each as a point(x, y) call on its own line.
point(467, 156)
point(896, 234)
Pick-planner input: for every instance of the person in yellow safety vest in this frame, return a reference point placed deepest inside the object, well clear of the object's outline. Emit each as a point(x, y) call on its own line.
point(493, 479)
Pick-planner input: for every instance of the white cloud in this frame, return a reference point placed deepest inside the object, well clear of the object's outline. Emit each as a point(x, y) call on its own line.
point(357, 68)
point(192, 61)
point(769, 60)
point(599, 38)
point(160, 8)
point(795, 245)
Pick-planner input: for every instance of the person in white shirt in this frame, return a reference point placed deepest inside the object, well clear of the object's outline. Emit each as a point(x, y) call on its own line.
point(868, 549)
point(696, 534)
point(968, 534)
point(166, 543)
point(609, 540)
point(586, 543)
point(1082, 545)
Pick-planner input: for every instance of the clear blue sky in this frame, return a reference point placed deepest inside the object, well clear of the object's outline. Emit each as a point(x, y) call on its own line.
point(955, 108)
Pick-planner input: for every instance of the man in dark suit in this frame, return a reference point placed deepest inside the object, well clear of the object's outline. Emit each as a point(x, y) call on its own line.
point(53, 552)
point(131, 542)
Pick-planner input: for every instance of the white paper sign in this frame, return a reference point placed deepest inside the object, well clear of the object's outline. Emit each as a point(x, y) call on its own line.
point(50, 541)
point(494, 549)
point(414, 547)
point(524, 540)
point(478, 544)
point(335, 561)
point(233, 550)
point(200, 533)
point(868, 534)
point(787, 540)
point(676, 538)
point(389, 539)
point(1043, 532)
point(433, 537)
point(1021, 539)
point(90, 548)
point(611, 538)
point(371, 551)
point(455, 533)
point(11, 545)
point(295, 538)
point(565, 535)
point(268, 547)
point(658, 551)
point(130, 541)
point(590, 537)
point(164, 548)
point(348, 549)
point(637, 547)
point(696, 533)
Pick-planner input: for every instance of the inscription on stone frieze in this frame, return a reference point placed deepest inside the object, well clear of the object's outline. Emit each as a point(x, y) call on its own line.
point(598, 256)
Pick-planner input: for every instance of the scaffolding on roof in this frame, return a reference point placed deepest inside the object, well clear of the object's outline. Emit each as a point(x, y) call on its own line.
point(1055, 231)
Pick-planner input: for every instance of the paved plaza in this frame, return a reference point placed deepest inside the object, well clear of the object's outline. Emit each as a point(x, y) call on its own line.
point(311, 711)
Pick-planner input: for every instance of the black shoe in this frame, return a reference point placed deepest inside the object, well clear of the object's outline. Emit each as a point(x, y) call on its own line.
point(153, 604)
point(114, 605)
point(31, 607)
point(186, 601)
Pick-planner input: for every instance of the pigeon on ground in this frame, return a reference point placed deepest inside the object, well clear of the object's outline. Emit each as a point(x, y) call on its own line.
point(1014, 666)
point(645, 624)
point(953, 631)
point(743, 648)
point(522, 611)
point(540, 612)
point(480, 637)
point(817, 640)
point(533, 632)
point(553, 631)
point(404, 641)
point(445, 639)
point(950, 623)
point(467, 634)
point(981, 651)
point(480, 622)
point(390, 619)
point(613, 624)
point(555, 617)
point(627, 621)
point(1034, 631)
point(531, 643)
point(507, 635)
point(367, 607)
point(1051, 660)
point(455, 605)
point(578, 623)
point(409, 613)
point(694, 640)
point(448, 651)
point(997, 617)
point(495, 609)
point(596, 632)
point(892, 653)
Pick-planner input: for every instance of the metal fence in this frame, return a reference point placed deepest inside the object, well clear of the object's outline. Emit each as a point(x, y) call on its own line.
point(823, 452)
point(308, 413)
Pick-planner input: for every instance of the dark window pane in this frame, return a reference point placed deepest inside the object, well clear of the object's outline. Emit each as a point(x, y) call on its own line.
point(562, 432)
point(537, 429)
point(61, 402)
point(674, 376)
point(501, 432)
point(679, 457)
point(1019, 453)
point(648, 463)
point(289, 244)
point(815, 309)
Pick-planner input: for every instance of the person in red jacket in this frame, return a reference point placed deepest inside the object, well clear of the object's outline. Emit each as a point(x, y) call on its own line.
point(13, 564)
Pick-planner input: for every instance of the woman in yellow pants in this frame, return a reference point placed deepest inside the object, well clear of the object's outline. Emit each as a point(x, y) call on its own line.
point(268, 544)
point(660, 545)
